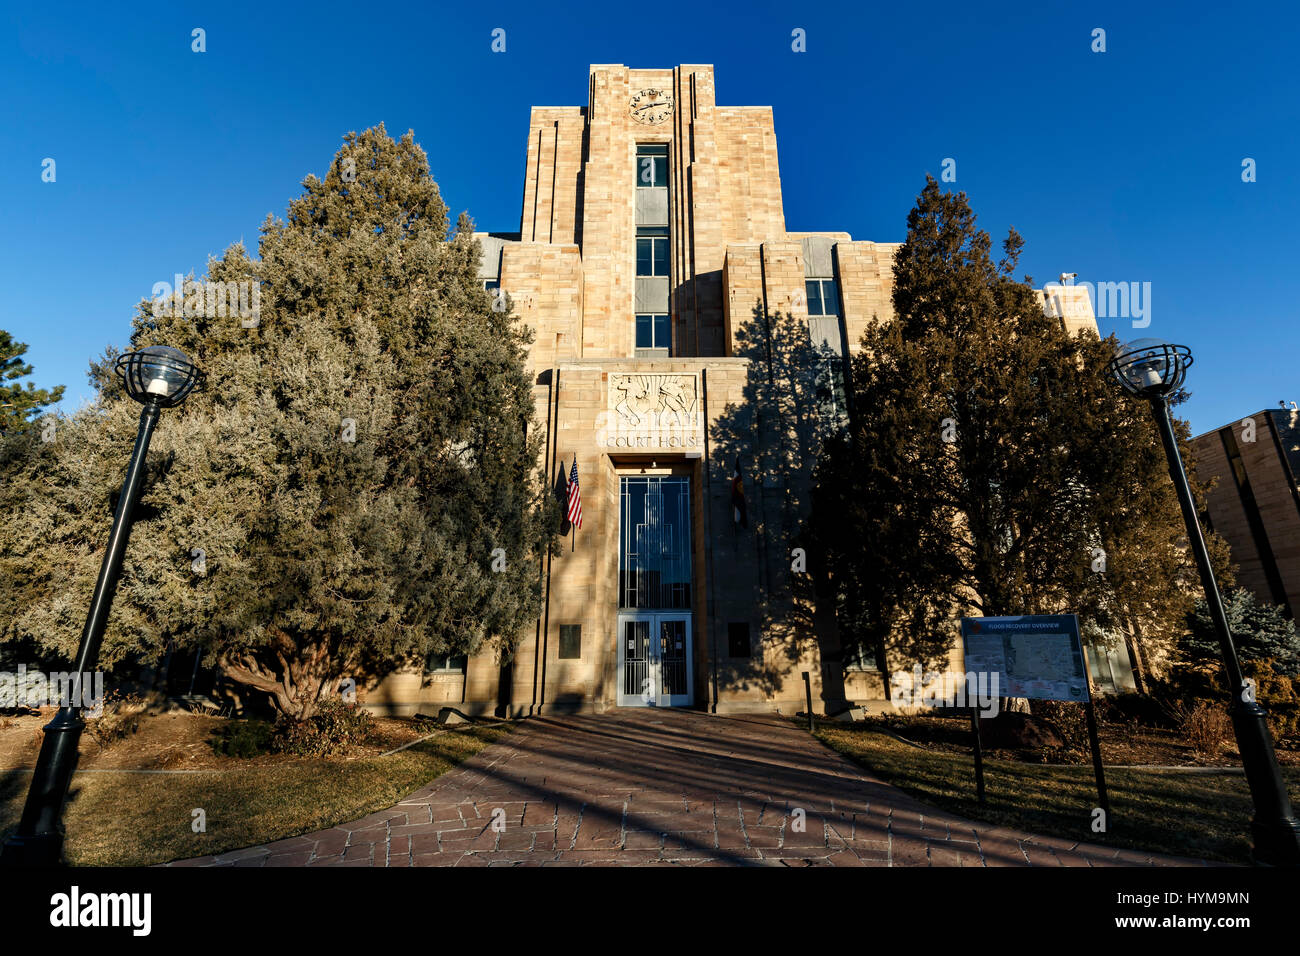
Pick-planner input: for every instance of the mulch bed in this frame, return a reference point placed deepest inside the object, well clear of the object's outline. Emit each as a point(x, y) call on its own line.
point(175, 740)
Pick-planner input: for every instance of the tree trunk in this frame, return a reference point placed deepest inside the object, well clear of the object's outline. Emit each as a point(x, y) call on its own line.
point(296, 682)
point(1132, 637)
point(882, 667)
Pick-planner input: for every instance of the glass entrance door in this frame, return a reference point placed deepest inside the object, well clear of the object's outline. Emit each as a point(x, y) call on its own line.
point(654, 659)
point(654, 591)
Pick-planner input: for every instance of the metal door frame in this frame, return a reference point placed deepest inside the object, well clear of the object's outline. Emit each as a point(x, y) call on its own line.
point(652, 694)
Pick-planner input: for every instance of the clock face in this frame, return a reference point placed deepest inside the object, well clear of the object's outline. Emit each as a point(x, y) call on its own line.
point(651, 107)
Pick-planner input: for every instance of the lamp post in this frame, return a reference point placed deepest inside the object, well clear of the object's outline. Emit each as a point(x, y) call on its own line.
point(1152, 369)
point(158, 377)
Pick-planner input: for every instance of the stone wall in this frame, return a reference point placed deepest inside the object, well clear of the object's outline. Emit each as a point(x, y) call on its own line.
point(740, 332)
point(1260, 516)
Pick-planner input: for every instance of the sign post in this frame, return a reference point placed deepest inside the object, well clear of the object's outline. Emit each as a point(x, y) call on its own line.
point(1096, 758)
point(1038, 656)
point(807, 687)
point(979, 753)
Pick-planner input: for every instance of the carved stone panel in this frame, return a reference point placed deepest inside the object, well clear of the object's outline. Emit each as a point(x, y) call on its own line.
point(652, 411)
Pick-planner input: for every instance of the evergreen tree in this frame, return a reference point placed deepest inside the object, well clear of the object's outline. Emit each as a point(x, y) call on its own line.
point(20, 402)
point(991, 463)
point(1259, 631)
point(355, 488)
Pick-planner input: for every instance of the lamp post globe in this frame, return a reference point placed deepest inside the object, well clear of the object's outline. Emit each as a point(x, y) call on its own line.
point(158, 377)
point(1154, 369)
point(1150, 368)
point(158, 373)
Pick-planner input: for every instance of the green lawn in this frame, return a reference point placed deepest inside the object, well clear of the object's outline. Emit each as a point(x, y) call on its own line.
point(1186, 814)
point(125, 819)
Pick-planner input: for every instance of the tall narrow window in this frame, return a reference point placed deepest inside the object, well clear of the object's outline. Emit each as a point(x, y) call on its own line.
point(829, 386)
point(652, 164)
point(654, 543)
point(652, 331)
point(823, 297)
point(652, 250)
point(652, 295)
point(828, 370)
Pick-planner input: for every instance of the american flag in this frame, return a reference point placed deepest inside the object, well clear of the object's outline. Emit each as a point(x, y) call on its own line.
point(575, 499)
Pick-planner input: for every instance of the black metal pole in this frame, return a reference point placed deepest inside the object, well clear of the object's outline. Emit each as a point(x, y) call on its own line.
point(38, 841)
point(1275, 830)
point(979, 754)
point(807, 689)
point(1094, 743)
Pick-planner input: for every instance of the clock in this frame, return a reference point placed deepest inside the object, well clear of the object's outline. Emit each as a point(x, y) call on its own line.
point(651, 107)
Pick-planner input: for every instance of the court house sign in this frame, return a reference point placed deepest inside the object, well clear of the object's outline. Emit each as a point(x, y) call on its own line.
point(652, 411)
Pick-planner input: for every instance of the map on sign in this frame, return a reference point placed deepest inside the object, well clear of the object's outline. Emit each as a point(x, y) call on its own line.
point(1037, 656)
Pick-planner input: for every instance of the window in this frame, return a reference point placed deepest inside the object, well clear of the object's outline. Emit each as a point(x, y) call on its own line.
point(652, 164)
point(858, 658)
point(652, 250)
point(449, 663)
point(652, 331)
point(827, 342)
point(570, 642)
point(738, 639)
point(654, 542)
point(829, 386)
point(823, 297)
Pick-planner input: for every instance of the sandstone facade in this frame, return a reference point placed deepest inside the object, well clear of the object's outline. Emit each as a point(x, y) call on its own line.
point(1255, 504)
point(680, 329)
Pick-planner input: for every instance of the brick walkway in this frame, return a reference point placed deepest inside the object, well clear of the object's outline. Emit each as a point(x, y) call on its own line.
point(643, 787)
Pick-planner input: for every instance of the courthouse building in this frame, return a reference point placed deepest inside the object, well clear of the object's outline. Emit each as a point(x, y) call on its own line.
point(1255, 502)
point(681, 330)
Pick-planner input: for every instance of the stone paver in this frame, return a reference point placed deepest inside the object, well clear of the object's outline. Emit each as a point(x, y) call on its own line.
point(668, 787)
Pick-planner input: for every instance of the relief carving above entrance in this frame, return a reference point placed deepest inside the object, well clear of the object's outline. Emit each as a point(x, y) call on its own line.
point(652, 411)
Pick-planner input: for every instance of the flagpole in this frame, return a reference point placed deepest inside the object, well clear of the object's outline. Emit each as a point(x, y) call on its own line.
point(573, 503)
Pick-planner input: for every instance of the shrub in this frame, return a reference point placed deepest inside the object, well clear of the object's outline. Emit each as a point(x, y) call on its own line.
point(1284, 722)
point(334, 728)
point(1204, 725)
point(120, 719)
point(1270, 685)
point(1188, 686)
point(1070, 721)
point(242, 738)
point(1280, 696)
point(1133, 711)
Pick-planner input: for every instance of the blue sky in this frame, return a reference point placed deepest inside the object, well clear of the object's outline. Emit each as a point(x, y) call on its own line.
point(1122, 166)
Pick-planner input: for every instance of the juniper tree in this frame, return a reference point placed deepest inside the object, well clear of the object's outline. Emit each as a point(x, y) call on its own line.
point(356, 486)
point(991, 468)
